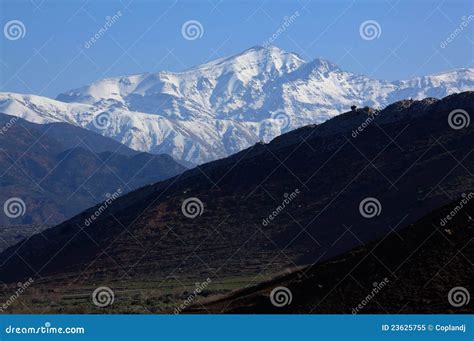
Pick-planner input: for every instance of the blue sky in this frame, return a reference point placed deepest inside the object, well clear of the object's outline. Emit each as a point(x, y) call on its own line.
point(52, 58)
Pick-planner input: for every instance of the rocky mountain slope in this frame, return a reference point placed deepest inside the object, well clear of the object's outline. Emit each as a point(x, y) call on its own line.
point(224, 106)
point(410, 271)
point(290, 202)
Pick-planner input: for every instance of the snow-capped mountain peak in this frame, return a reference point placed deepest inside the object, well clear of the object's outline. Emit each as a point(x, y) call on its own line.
point(322, 65)
point(225, 105)
point(262, 59)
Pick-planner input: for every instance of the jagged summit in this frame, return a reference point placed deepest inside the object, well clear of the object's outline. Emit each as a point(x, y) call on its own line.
point(323, 65)
point(223, 106)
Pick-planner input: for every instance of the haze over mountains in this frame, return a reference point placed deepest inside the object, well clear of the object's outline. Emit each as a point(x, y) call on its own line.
point(224, 106)
point(409, 158)
point(59, 170)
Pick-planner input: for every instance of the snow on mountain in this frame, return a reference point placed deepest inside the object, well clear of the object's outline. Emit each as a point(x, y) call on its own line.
point(41, 110)
point(221, 107)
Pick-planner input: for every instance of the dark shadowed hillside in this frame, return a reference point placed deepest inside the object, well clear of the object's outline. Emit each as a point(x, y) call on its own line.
point(58, 170)
point(297, 200)
point(410, 271)
point(69, 136)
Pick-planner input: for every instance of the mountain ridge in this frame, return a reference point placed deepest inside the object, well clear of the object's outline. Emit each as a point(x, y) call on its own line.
point(58, 170)
point(213, 110)
point(238, 192)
